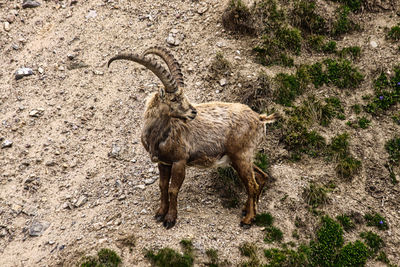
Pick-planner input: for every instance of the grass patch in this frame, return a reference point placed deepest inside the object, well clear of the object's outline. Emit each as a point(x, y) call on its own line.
point(262, 161)
point(352, 52)
point(329, 240)
point(287, 257)
point(394, 33)
point(264, 219)
point(396, 118)
point(353, 5)
point(343, 24)
point(238, 18)
point(220, 66)
point(375, 219)
point(272, 234)
point(387, 93)
point(346, 222)
point(347, 166)
point(214, 260)
point(315, 196)
point(167, 257)
point(105, 258)
point(374, 241)
point(249, 250)
point(304, 16)
point(342, 74)
point(393, 148)
point(353, 254)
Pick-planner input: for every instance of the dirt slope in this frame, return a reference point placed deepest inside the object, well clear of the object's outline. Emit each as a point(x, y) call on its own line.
point(61, 174)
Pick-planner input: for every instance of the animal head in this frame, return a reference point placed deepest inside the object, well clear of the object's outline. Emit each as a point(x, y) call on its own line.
point(171, 99)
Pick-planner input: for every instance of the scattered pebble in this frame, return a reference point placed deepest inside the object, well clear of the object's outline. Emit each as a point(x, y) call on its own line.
point(10, 18)
point(6, 143)
point(36, 112)
point(40, 70)
point(114, 151)
point(30, 4)
point(22, 72)
point(373, 44)
point(37, 228)
point(140, 186)
point(150, 181)
point(203, 9)
point(223, 82)
point(91, 15)
point(7, 27)
point(81, 201)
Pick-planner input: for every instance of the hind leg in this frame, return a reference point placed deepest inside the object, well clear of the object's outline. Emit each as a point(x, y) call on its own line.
point(245, 170)
point(261, 178)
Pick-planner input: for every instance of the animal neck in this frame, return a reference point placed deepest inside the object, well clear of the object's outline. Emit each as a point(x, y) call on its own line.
point(156, 131)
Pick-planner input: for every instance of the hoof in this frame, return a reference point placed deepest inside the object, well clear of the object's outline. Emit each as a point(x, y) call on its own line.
point(169, 224)
point(159, 217)
point(244, 213)
point(245, 225)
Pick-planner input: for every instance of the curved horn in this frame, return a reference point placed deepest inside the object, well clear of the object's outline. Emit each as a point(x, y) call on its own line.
point(165, 77)
point(169, 59)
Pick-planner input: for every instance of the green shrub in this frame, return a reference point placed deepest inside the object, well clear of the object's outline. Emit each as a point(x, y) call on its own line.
point(214, 261)
point(353, 254)
point(287, 257)
point(329, 47)
point(373, 240)
point(238, 18)
point(270, 53)
point(396, 118)
point(305, 17)
point(363, 123)
point(289, 39)
point(383, 258)
point(328, 242)
point(339, 146)
point(167, 257)
point(346, 222)
point(353, 5)
point(375, 219)
point(264, 219)
point(105, 258)
point(272, 234)
point(393, 148)
point(387, 93)
point(394, 33)
point(248, 249)
point(343, 24)
point(271, 15)
point(288, 89)
point(342, 74)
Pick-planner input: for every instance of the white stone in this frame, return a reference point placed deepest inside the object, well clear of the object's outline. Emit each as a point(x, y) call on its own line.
point(373, 44)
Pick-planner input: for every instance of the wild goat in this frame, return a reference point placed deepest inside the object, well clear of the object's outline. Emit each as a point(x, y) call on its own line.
point(177, 134)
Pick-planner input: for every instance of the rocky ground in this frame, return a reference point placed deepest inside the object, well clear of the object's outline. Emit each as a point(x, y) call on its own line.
point(74, 176)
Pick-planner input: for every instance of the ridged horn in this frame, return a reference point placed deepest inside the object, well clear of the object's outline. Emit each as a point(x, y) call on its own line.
point(165, 77)
point(171, 62)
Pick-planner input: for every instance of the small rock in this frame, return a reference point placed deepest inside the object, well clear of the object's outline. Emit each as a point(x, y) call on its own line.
point(30, 4)
point(114, 151)
point(150, 181)
point(3, 232)
point(373, 44)
point(10, 18)
point(70, 56)
point(7, 27)
point(121, 197)
point(51, 242)
point(202, 10)
point(15, 46)
point(220, 44)
point(22, 72)
point(81, 200)
point(223, 82)
point(174, 31)
point(140, 186)
point(40, 70)
point(37, 228)
point(171, 40)
point(97, 72)
point(91, 15)
point(36, 112)
point(6, 143)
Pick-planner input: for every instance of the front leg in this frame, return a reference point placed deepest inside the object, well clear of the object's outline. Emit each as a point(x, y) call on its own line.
point(177, 177)
point(165, 175)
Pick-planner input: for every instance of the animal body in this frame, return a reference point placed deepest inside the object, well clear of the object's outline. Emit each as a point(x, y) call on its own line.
point(178, 134)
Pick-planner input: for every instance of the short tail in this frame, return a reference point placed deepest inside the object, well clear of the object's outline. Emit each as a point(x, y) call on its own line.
point(268, 119)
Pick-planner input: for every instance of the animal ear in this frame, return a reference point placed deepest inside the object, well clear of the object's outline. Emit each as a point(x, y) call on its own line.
point(162, 93)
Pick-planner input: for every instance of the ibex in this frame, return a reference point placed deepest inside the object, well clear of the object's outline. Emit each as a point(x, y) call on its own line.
point(177, 134)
